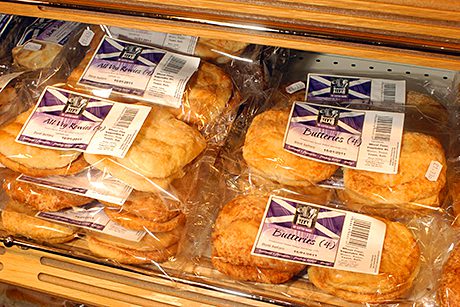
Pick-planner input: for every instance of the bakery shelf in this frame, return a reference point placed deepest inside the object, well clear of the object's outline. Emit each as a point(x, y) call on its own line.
point(83, 278)
point(402, 35)
point(396, 31)
point(45, 270)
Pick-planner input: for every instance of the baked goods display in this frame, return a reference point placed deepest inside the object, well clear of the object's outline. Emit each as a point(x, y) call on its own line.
point(428, 106)
point(264, 153)
point(146, 227)
point(32, 59)
point(153, 248)
point(41, 42)
point(207, 95)
point(215, 224)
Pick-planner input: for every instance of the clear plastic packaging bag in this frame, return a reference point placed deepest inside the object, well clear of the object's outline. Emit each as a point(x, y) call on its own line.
point(42, 41)
point(218, 51)
point(143, 194)
point(199, 98)
point(410, 265)
point(420, 185)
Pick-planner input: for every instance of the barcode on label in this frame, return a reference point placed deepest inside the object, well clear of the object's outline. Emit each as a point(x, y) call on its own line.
point(359, 234)
point(174, 65)
point(382, 128)
point(389, 92)
point(126, 118)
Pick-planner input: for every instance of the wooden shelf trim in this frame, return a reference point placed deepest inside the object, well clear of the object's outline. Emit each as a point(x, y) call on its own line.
point(100, 285)
point(239, 34)
point(366, 15)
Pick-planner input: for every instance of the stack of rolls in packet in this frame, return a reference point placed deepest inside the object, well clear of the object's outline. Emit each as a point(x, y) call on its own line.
point(105, 156)
point(341, 203)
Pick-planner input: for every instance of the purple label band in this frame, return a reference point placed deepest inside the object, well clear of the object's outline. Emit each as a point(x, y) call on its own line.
point(129, 52)
point(71, 221)
point(321, 157)
point(355, 122)
point(52, 184)
point(50, 101)
point(278, 209)
point(57, 25)
point(336, 88)
point(50, 29)
point(332, 99)
point(36, 141)
point(293, 258)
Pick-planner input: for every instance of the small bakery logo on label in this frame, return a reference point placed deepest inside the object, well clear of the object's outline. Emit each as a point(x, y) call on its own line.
point(339, 87)
point(75, 105)
point(307, 233)
point(131, 52)
point(328, 117)
point(305, 218)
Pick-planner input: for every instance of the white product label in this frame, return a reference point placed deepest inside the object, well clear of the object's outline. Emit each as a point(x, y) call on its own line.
point(68, 120)
point(31, 46)
point(434, 170)
point(86, 37)
point(335, 88)
point(140, 71)
point(182, 43)
point(6, 79)
point(306, 233)
point(365, 140)
point(295, 87)
point(90, 182)
point(93, 217)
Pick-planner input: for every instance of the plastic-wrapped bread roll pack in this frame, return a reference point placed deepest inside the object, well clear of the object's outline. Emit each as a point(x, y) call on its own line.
point(246, 240)
point(200, 92)
point(21, 86)
point(11, 28)
point(42, 41)
point(280, 242)
point(420, 183)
